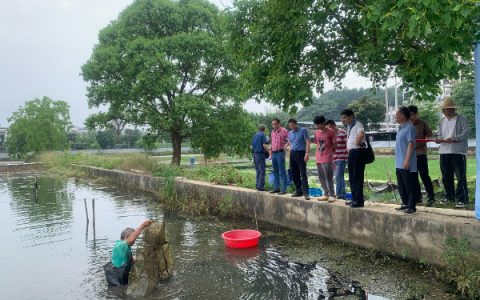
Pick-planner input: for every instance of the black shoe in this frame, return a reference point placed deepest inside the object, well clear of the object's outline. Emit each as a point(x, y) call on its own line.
point(261, 190)
point(460, 205)
point(402, 207)
point(297, 195)
point(410, 211)
point(348, 202)
point(307, 197)
point(355, 205)
point(282, 193)
point(274, 191)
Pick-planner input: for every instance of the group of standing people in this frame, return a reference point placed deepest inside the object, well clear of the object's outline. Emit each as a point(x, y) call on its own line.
point(336, 149)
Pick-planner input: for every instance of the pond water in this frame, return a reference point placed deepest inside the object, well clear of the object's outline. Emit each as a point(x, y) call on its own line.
point(50, 253)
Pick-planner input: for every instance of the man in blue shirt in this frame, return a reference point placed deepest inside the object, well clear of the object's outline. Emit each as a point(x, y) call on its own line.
point(259, 147)
point(299, 142)
point(406, 161)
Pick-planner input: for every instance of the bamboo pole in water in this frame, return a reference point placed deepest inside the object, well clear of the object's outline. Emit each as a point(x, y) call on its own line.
point(93, 208)
point(255, 215)
point(86, 210)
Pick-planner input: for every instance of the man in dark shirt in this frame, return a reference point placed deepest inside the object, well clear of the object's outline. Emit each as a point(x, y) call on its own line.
point(259, 147)
point(423, 131)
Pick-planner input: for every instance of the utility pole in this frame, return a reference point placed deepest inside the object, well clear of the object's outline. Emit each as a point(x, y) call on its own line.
point(387, 115)
point(477, 125)
point(396, 94)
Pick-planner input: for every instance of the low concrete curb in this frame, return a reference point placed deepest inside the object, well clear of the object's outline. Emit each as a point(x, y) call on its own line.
point(7, 167)
point(378, 226)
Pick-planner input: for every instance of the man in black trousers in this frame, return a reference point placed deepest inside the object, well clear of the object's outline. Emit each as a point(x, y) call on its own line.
point(423, 131)
point(299, 142)
point(356, 164)
point(406, 162)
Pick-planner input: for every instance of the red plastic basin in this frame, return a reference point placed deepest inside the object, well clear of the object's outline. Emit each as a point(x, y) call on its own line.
point(241, 238)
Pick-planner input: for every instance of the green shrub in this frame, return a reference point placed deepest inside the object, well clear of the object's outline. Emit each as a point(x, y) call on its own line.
point(226, 175)
point(463, 267)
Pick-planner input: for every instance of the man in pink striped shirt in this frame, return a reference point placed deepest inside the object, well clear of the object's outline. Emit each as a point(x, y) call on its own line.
point(340, 158)
point(278, 142)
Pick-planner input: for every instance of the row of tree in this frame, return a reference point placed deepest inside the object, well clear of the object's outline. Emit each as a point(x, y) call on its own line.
point(44, 124)
point(184, 69)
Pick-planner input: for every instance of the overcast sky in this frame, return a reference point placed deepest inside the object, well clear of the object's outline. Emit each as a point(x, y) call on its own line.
point(43, 44)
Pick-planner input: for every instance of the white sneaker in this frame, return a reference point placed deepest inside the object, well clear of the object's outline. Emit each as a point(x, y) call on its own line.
point(323, 198)
point(331, 199)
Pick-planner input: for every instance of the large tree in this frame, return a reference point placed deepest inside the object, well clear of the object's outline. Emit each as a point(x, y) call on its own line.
point(166, 65)
point(40, 125)
point(107, 120)
point(291, 47)
point(369, 110)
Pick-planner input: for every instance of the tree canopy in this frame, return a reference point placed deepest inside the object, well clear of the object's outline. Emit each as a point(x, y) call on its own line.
point(40, 125)
point(292, 47)
point(369, 110)
point(166, 65)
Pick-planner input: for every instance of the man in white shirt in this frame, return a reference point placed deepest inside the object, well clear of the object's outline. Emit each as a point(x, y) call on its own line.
point(356, 164)
point(453, 130)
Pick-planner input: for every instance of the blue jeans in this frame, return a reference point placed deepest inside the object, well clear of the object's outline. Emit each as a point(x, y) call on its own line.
point(279, 171)
point(340, 178)
point(259, 159)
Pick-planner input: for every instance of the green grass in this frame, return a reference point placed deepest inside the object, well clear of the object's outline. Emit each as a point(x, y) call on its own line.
point(240, 174)
point(383, 165)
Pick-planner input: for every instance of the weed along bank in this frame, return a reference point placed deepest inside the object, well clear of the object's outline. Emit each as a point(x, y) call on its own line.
point(377, 226)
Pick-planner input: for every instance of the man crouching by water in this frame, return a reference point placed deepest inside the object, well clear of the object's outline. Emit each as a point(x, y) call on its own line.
point(118, 268)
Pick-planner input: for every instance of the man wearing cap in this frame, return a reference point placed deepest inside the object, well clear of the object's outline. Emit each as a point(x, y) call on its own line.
point(453, 131)
point(423, 131)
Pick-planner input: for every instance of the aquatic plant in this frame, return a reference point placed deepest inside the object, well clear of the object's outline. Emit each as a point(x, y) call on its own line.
point(463, 267)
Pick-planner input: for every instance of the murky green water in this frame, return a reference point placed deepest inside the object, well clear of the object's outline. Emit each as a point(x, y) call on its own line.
point(49, 253)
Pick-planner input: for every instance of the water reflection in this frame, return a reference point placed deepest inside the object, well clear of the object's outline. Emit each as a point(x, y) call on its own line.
point(51, 251)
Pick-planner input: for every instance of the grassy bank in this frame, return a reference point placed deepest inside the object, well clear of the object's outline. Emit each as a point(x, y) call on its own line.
point(239, 174)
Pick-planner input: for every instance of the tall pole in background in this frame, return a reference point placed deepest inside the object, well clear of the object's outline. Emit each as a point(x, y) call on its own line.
point(396, 94)
point(477, 127)
point(387, 115)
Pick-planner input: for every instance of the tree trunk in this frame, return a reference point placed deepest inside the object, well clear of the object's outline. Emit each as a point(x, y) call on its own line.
point(177, 147)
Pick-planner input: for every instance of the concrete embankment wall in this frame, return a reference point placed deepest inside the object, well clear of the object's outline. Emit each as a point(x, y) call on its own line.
point(378, 226)
point(13, 167)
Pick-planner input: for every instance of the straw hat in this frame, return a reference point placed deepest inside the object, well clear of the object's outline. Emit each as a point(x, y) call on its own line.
point(448, 103)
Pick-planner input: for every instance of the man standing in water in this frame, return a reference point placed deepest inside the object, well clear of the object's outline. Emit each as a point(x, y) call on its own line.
point(453, 129)
point(423, 131)
point(356, 164)
point(259, 147)
point(406, 161)
point(279, 140)
point(299, 142)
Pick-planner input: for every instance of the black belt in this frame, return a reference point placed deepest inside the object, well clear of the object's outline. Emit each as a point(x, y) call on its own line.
point(278, 151)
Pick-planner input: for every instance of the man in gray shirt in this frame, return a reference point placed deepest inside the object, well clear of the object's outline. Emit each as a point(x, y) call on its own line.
point(453, 148)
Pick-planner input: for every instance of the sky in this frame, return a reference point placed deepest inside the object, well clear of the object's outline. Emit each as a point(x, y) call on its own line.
point(44, 43)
